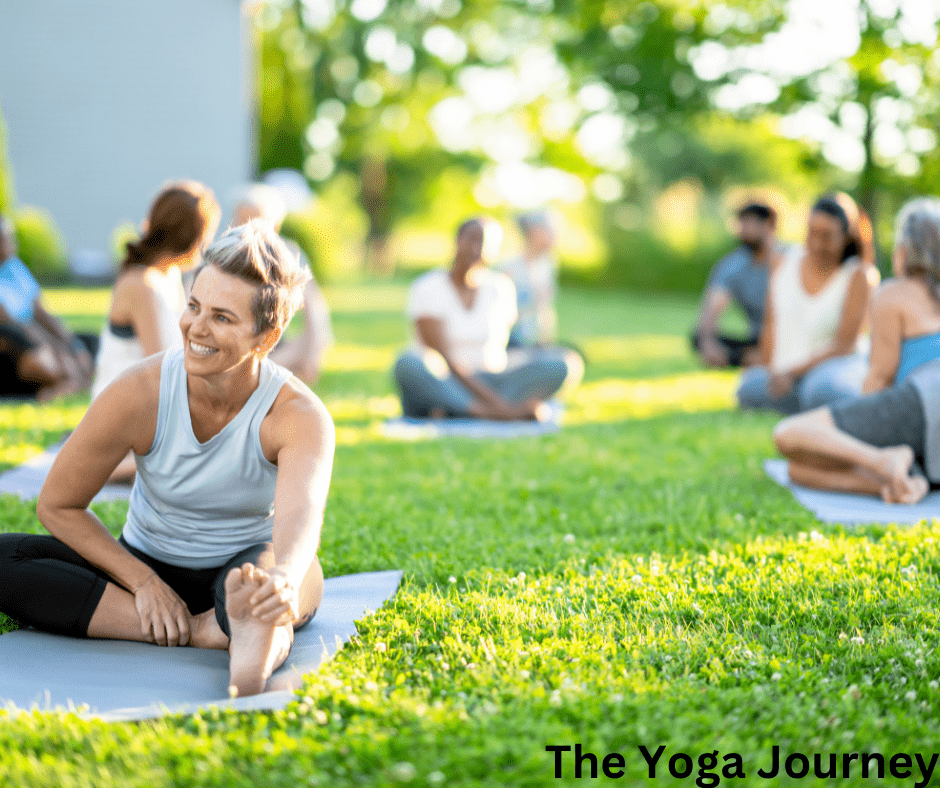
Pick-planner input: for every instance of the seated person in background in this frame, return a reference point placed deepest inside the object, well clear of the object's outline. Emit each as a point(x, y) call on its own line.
point(148, 296)
point(38, 355)
point(457, 366)
point(302, 355)
point(879, 443)
point(816, 302)
point(905, 310)
point(741, 278)
point(534, 273)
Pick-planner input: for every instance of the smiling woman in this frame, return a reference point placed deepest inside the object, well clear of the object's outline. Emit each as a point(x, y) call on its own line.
point(234, 459)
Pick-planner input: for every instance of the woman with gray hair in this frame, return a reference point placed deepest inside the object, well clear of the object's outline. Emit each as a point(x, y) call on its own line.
point(234, 458)
point(888, 442)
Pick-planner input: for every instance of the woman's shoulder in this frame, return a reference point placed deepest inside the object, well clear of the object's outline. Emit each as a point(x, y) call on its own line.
point(297, 415)
point(138, 385)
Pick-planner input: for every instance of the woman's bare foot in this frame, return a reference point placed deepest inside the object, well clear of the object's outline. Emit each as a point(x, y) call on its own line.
point(894, 465)
point(909, 490)
point(205, 632)
point(256, 648)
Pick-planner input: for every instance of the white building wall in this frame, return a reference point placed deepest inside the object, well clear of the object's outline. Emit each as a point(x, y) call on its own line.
point(105, 100)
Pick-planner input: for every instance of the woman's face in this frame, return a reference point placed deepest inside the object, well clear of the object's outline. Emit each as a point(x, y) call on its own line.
point(825, 238)
point(218, 324)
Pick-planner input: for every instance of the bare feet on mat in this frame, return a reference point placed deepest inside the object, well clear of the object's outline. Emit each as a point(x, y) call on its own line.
point(205, 631)
point(894, 468)
point(909, 490)
point(256, 648)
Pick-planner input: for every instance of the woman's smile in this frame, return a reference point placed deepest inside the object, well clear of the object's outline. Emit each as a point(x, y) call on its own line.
point(202, 350)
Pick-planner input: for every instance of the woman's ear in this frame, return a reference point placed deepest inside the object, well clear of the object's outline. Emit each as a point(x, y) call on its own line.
point(268, 341)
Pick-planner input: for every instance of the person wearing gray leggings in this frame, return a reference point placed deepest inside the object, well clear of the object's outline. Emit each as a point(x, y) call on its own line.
point(458, 365)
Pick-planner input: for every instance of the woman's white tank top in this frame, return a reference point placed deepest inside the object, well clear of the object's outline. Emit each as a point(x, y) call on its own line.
point(804, 324)
point(118, 353)
point(198, 504)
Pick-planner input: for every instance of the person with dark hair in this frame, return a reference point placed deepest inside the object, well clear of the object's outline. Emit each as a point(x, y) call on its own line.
point(817, 298)
point(888, 442)
point(739, 278)
point(234, 460)
point(39, 356)
point(458, 364)
point(148, 296)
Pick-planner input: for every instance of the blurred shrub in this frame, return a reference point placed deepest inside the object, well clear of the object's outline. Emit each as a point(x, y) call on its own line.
point(122, 235)
point(301, 229)
point(40, 245)
point(639, 260)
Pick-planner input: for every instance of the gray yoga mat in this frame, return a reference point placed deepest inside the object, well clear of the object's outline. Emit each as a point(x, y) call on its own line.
point(404, 428)
point(26, 480)
point(120, 680)
point(851, 509)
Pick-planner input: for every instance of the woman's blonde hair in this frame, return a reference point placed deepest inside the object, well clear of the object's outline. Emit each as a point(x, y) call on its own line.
point(255, 253)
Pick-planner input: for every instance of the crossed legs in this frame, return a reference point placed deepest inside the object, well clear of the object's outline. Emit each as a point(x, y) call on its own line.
point(824, 457)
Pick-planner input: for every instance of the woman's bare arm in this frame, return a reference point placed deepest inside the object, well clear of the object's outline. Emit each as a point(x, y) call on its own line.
point(299, 435)
point(887, 334)
point(430, 331)
point(121, 419)
point(850, 324)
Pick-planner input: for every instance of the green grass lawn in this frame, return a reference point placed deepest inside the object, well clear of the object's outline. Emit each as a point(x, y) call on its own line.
point(634, 580)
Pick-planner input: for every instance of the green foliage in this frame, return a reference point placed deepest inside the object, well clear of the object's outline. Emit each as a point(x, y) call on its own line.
point(635, 579)
point(300, 228)
point(40, 244)
point(640, 260)
point(7, 195)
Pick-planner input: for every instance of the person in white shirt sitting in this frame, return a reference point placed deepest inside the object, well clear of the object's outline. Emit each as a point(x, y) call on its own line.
point(457, 366)
point(811, 342)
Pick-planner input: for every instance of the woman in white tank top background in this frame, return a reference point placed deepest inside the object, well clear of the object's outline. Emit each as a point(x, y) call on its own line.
point(148, 296)
point(234, 461)
point(811, 343)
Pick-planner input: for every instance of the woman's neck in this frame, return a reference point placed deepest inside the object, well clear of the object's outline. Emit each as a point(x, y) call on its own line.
point(228, 391)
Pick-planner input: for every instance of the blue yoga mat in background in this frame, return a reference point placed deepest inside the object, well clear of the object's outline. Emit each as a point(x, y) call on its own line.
point(851, 509)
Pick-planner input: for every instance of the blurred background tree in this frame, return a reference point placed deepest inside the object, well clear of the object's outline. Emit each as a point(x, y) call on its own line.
point(642, 122)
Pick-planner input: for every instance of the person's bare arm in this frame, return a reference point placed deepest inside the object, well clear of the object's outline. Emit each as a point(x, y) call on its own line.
point(850, 323)
point(714, 304)
point(53, 326)
point(300, 433)
point(122, 418)
point(767, 337)
point(887, 334)
point(430, 331)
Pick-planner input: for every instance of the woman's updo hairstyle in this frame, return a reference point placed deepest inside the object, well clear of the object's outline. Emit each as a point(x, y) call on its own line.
point(182, 215)
point(917, 232)
point(255, 253)
point(855, 224)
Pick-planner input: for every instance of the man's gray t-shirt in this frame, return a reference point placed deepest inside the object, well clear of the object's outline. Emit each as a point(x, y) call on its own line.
point(746, 280)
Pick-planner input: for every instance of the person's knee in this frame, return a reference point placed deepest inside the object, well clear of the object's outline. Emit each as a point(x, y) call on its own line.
point(752, 389)
point(822, 393)
point(785, 435)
